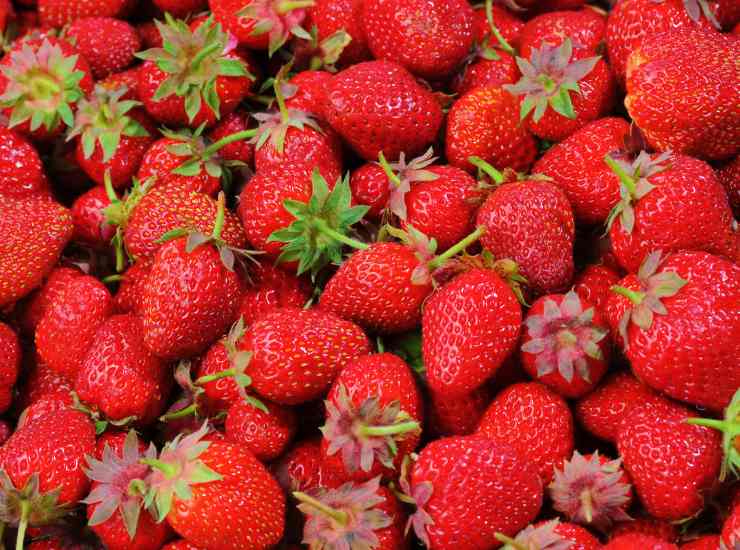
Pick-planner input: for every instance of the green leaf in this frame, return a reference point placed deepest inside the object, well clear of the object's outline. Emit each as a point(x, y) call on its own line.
point(109, 142)
point(189, 168)
point(88, 144)
point(562, 104)
point(192, 105)
point(232, 67)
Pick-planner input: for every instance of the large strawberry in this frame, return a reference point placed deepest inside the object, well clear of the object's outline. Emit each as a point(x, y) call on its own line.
point(57, 13)
point(33, 233)
point(379, 106)
point(21, 171)
point(107, 44)
point(468, 489)
point(487, 318)
point(703, 90)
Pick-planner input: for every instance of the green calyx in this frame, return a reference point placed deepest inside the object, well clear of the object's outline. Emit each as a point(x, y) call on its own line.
point(730, 428)
point(102, 119)
point(43, 85)
point(193, 60)
point(201, 155)
point(321, 228)
point(274, 18)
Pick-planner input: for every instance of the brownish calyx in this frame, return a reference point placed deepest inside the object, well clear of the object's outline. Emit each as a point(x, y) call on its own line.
point(417, 496)
point(542, 537)
point(402, 174)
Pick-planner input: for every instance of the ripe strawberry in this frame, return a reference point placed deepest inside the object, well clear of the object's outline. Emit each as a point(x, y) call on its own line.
point(57, 13)
point(506, 21)
point(374, 412)
point(353, 515)
point(459, 484)
point(10, 363)
point(379, 106)
point(656, 192)
point(266, 434)
point(88, 217)
point(306, 90)
point(630, 541)
point(110, 136)
point(551, 534)
point(602, 411)
point(705, 542)
point(108, 44)
point(38, 382)
point(302, 468)
point(535, 422)
point(181, 8)
point(30, 93)
point(488, 317)
point(202, 56)
point(485, 70)
point(577, 166)
point(128, 79)
point(21, 171)
point(240, 151)
point(457, 415)
point(181, 544)
point(68, 326)
point(485, 123)
point(314, 346)
point(658, 528)
point(270, 287)
point(729, 176)
point(700, 89)
point(224, 480)
point(586, 28)
point(430, 39)
point(332, 16)
point(672, 464)
point(114, 506)
point(731, 530)
point(593, 283)
point(591, 490)
point(131, 287)
point(549, 76)
point(672, 308)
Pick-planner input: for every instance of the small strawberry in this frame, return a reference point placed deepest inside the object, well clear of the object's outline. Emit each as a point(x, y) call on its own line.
point(270, 287)
point(551, 535)
point(57, 13)
point(88, 217)
point(266, 434)
point(302, 468)
point(10, 363)
point(533, 420)
point(332, 16)
point(21, 171)
point(452, 415)
point(108, 44)
point(586, 28)
point(593, 283)
point(630, 541)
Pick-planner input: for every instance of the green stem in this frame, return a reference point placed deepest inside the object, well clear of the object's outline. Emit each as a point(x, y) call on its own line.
point(381, 431)
point(120, 259)
point(395, 180)
point(284, 116)
point(324, 228)
point(218, 226)
point(205, 52)
point(181, 413)
point(337, 515)
point(223, 142)
point(720, 425)
point(22, 524)
point(213, 377)
point(168, 470)
point(2, 533)
point(624, 177)
point(440, 260)
point(112, 279)
point(487, 169)
point(501, 40)
point(290, 5)
point(109, 191)
point(632, 295)
point(507, 540)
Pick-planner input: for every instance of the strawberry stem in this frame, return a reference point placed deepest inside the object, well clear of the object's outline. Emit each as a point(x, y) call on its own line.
point(507, 540)
point(632, 295)
point(719, 425)
point(588, 505)
point(108, 184)
point(216, 376)
point(337, 515)
point(395, 180)
point(324, 228)
point(290, 5)
point(223, 142)
point(113, 279)
point(284, 115)
point(624, 177)
point(494, 30)
point(218, 227)
point(202, 54)
point(168, 470)
point(381, 431)
point(180, 413)
point(22, 524)
point(440, 260)
point(490, 171)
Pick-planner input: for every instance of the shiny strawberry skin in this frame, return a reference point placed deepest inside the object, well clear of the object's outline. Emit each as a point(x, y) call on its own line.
point(158, 161)
point(485, 123)
point(181, 8)
point(10, 363)
point(131, 288)
point(225, 12)
point(509, 25)
point(535, 422)
point(331, 16)
point(90, 225)
point(729, 176)
point(657, 528)
point(39, 381)
point(581, 537)
point(267, 435)
point(21, 170)
point(269, 288)
point(457, 415)
point(241, 151)
point(318, 148)
point(311, 87)
point(586, 28)
point(108, 44)
point(128, 78)
point(636, 540)
point(302, 468)
point(378, 106)
point(429, 38)
point(486, 318)
point(57, 13)
point(370, 187)
point(593, 285)
point(487, 72)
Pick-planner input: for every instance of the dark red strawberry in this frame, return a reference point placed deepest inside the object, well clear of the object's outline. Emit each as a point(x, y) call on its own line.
point(302, 468)
point(267, 433)
point(502, 18)
point(452, 415)
point(108, 44)
point(181, 8)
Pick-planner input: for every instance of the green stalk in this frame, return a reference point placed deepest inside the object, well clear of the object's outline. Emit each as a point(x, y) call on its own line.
point(218, 226)
point(381, 431)
point(223, 142)
point(284, 115)
point(720, 425)
point(290, 5)
point(181, 413)
point(395, 180)
point(205, 52)
point(113, 279)
point(339, 516)
point(496, 33)
point(440, 260)
point(324, 228)
point(490, 171)
point(22, 524)
point(624, 177)
point(633, 296)
point(168, 470)
point(213, 377)
point(507, 540)
point(109, 191)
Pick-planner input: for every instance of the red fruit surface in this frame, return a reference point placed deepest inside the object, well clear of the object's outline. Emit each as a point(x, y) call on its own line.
point(90, 224)
point(57, 13)
point(593, 285)
point(108, 44)
point(586, 28)
point(632, 541)
point(331, 16)
point(21, 171)
point(266, 434)
point(270, 287)
point(10, 362)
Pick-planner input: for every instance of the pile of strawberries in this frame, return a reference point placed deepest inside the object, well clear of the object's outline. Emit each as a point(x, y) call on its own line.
point(369, 275)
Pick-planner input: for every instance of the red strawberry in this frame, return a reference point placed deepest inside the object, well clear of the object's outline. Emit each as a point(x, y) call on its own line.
point(485, 123)
point(108, 44)
point(564, 344)
point(705, 542)
point(131, 287)
point(535, 422)
point(181, 8)
point(593, 284)
point(487, 318)
point(731, 530)
point(660, 529)
point(630, 541)
point(552, 534)
point(729, 176)
point(701, 90)
point(57, 13)
point(266, 434)
point(224, 481)
point(181, 544)
point(457, 415)
point(233, 123)
point(659, 191)
point(672, 464)
point(217, 77)
point(429, 38)
point(468, 489)
point(671, 309)
point(40, 381)
point(88, 217)
point(353, 515)
point(303, 469)
point(306, 90)
point(373, 417)
point(503, 18)
point(379, 106)
point(68, 326)
point(21, 171)
point(10, 363)
point(333, 16)
point(128, 79)
point(577, 166)
point(729, 427)
point(35, 307)
point(269, 288)
point(602, 411)
point(586, 28)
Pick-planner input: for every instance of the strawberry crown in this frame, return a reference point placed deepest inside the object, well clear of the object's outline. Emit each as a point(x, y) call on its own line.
point(590, 491)
point(418, 496)
point(402, 174)
point(120, 483)
point(633, 185)
point(43, 85)
point(563, 337)
point(646, 302)
point(200, 155)
point(366, 432)
point(548, 78)
point(278, 19)
point(730, 428)
point(321, 226)
point(695, 9)
point(346, 517)
point(101, 423)
point(102, 119)
point(193, 60)
point(326, 53)
point(542, 537)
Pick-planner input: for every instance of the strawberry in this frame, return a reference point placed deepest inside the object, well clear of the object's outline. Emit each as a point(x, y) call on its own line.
point(128, 79)
point(131, 287)
point(729, 176)
point(430, 39)
point(576, 165)
point(485, 123)
point(373, 417)
point(41, 81)
point(114, 506)
point(701, 122)
point(331, 17)
point(593, 283)
point(119, 377)
point(21, 171)
point(266, 434)
point(550, 74)
point(111, 136)
point(34, 308)
point(586, 28)
point(669, 310)
point(108, 44)
point(551, 535)
point(57, 13)
point(534, 421)
point(202, 55)
point(659, 529)
point(39, 381)
point(602, 411)
point(631, 541)
point(455, 415)
point(591, 490)
point(269, 288)
point(306, 90)
point(564, 344)
point(379, 106)
point(503, 19)
point(10, 363)
point(88, 217)
point(181, 8)
point(232, 501)
point(731, 530)
point(658, 190)
point(181, 544)
point(487, 71)
point(672, 464)
point(353, 515)
point(458, 485)
point(459, 361)
point(302, 468)
point(371, 187)
point(705, 542)
point(68, 326)
point(233, 123)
